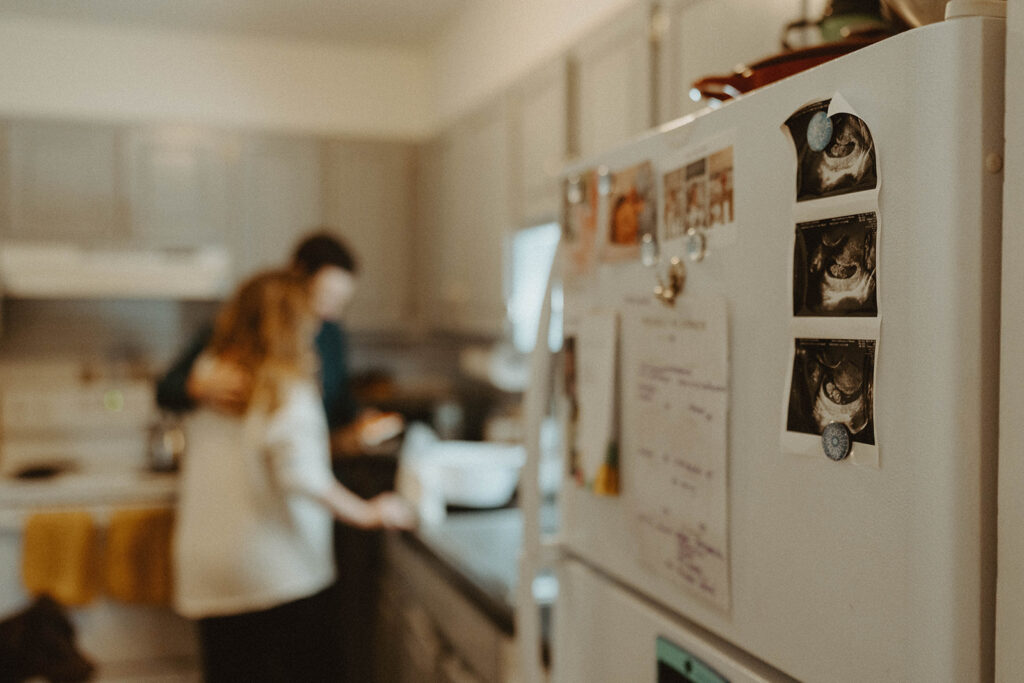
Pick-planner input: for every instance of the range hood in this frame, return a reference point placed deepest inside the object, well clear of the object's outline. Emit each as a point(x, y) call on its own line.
point(65, 271)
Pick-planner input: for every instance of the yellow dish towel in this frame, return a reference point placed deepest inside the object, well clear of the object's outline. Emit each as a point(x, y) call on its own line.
point(59, 556)
point(138, 556)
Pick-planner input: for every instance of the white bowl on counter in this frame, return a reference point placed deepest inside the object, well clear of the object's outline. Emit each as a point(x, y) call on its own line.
point(477, 474)
point(434, 474)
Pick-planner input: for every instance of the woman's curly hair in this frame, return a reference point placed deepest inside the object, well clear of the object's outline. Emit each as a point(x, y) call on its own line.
point(267, 328)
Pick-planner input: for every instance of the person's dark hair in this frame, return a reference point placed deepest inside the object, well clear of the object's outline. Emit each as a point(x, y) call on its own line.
point(321, 249)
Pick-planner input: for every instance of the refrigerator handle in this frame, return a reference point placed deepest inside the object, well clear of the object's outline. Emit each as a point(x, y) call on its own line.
point(536, 553)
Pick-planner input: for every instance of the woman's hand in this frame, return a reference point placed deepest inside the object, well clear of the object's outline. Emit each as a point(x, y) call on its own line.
point(393, 511)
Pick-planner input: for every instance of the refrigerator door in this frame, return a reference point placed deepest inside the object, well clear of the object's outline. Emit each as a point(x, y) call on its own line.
point(607, 633)
point(839, 571)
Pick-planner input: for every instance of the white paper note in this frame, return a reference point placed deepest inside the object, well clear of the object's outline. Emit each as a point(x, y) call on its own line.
point(597, 434)
point(674, 462)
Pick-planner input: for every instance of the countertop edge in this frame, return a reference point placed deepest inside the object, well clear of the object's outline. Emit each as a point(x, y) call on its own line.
point(496, 608)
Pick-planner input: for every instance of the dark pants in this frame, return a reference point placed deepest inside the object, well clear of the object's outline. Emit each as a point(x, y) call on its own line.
point(296, 641)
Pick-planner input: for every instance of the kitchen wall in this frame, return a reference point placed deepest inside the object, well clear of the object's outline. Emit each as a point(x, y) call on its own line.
point(494, 41)
point(147, 333)
point(118, 73)
point(48, 344)
point(93, 72)
point(81, 71)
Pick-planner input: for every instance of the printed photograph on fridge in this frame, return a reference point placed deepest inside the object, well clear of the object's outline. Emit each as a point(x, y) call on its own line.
point(579, 222)
point(833, 381)
point(573, 408)
point(697, 195)
point(632, 211)
point(720, 200)
point(834, 270)
point(835, 155)
point(673, 187)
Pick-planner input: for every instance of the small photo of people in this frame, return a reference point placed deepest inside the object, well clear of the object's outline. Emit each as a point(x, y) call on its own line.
point(572, 398)
point(834, 266)
point(674, 187)
point(833, 382)
point(720, 208)
point(579, 195)
point(579, 220)
point(835, 155)
point(697, 195)
point(633, 206)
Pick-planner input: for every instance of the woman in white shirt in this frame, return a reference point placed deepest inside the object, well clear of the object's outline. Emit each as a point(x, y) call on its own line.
point(253, 542)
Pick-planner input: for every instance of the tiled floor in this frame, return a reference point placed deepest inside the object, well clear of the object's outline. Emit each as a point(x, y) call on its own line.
point(161, 671)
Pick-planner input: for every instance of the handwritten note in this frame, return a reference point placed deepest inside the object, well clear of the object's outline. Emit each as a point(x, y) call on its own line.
point(674, 427)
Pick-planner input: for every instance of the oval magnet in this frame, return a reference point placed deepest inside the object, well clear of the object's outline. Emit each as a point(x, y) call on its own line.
point(696, 245)
point(819, 131)
point(574, 192)
point(835, 441)
point(648, 250)
point(604, 181)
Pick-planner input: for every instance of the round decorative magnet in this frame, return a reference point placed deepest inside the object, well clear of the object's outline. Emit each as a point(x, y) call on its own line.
point(696, 245)
point(574, 193)
point(604, 181)
point(648, 250)
point(835, 440)
point(819, 131)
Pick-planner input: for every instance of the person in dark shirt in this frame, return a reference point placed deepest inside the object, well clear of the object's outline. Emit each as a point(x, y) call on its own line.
point(331, 269)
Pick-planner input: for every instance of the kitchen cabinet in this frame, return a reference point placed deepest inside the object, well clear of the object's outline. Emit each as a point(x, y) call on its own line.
point(426, 272)
point(62, 181)
point(256, 193)
point(180, 185)
point(612, 73)
point(700, 38)
point(368, 197)
point(474, 220)
point(429, 628)
point(540, 139)
point(281, 180)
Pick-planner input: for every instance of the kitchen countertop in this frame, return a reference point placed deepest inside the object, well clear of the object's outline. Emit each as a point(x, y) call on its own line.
point(478, 552)
point(128, 486)
point(133, 486)
point(475, 550)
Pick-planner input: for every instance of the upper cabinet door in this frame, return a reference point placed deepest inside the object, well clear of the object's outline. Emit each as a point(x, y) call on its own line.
point(613, 73)
point(428, 234)
point(62, 183)
point(180, 185)
point(475, 221)
point(369, 200)
point(540, 139)
point(699, 38)
point(281, 199)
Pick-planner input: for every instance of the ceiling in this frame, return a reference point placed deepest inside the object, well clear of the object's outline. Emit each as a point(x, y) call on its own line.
point(379, 22)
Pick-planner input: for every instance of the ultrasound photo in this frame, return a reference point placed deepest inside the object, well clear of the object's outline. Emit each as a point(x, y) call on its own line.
point(833, 382)
point(835, 154)
point(834, 266)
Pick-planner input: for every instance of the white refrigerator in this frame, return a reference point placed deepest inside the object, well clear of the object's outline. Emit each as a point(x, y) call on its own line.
point(779, 384)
